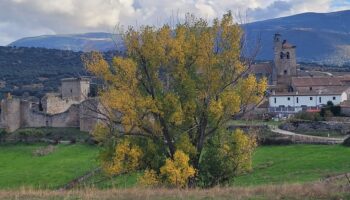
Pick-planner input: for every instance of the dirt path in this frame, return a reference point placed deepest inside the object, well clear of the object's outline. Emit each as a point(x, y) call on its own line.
point(308, 138)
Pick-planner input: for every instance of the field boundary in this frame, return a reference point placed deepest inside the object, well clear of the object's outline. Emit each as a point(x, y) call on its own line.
point(307, 139)
point(80, 179)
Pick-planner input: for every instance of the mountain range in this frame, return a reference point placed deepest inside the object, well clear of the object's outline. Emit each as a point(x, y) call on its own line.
point(322, 38)
point(85, 42)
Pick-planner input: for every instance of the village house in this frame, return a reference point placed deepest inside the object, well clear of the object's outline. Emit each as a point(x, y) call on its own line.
point(291, 90)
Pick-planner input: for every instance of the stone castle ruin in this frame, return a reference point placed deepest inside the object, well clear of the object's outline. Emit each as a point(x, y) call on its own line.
point(70, 108)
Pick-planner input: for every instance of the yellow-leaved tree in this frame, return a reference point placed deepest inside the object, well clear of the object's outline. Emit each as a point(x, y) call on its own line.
point(176, 88)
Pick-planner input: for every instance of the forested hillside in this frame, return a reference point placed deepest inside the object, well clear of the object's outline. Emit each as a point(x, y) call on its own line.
point(36, 71)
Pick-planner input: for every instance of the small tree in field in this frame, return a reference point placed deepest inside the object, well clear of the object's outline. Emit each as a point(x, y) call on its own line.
point(175, 90)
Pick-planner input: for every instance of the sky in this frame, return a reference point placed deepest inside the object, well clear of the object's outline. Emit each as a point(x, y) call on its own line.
point(25, 18)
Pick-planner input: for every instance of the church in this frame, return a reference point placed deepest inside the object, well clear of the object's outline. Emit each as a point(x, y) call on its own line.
point(292, 90)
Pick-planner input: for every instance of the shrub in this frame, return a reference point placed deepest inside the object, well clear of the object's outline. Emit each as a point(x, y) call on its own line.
point(276, 141)
point(3, 134)
point(347, 142)
point(330, 110)
point(126, 158)
point(152, 157)
point(310, 116)
point(176, 172)
point(149, 178)
point(226, 155)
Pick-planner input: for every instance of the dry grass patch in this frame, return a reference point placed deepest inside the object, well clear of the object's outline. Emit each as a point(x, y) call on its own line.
point(287, 191)
point(43, 151)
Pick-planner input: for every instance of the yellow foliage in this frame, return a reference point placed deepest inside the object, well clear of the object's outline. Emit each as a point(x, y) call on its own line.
point(100, 132)
point(172, 107)
point(149, 178)
point(97, 65)
point(184, 144)
point(177, 171)
point(127, 158)
point(216, 109)
point(243, 150)
point(172, 80)
point(251, 91)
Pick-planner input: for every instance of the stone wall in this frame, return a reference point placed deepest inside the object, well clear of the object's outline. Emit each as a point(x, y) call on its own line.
point(33, 118)
point(54, 104)
point(89, 116)
point(10, 114)
point(75, 88)
point(70, 118)
point(345, 110)
point(307, 126)
point(59, 110)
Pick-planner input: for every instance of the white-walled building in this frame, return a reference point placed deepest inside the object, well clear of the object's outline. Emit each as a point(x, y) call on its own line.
point(295, 102)
point(293, 90)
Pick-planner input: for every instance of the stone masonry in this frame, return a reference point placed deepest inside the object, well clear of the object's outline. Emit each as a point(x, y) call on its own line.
point(70, 108)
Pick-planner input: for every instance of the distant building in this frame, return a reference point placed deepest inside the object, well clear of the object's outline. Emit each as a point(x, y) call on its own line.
point(291, 90)
point(292, 102)
point(70, 108)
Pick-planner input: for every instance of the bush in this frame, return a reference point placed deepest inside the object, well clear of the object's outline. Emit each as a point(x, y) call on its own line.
point(330, 110)
point(226, 155)
point(310, 116)
point(347, 142)
point(276, 141)
point(177, 171)
point(3, 134)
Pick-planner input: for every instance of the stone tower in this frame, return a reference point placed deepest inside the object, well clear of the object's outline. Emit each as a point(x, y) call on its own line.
point(11, 113)
point(284, 60)
point(76, 89)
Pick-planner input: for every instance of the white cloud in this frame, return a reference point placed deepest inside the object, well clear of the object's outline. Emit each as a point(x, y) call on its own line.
point(22, 18)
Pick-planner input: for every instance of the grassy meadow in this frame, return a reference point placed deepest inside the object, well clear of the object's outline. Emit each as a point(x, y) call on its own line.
point(20, 167)
point(296, 164)
point(271, 165)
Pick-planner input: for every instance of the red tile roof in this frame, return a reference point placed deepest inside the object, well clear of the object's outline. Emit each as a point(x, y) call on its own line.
point(316, 81)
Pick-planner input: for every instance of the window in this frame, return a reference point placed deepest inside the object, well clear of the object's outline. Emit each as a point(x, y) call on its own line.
point(275, 100)
point(311, 98)
point(281, 55)
point(334, 98)
point(71, 91)
point(319, 99)
point(297, 99)
point(287, 55)
point(310, 88)
point(285, 71)
point(288, 98)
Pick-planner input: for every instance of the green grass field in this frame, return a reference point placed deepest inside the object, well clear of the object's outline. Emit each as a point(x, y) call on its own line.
point(18, 166)
point(272, 165)
point(296, 163)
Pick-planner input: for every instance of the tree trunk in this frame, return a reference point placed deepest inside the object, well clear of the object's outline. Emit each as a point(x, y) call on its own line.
point(200, 138)
point(167, 136)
